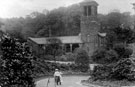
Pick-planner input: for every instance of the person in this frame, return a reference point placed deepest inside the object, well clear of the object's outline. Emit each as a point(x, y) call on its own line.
point(58, 77)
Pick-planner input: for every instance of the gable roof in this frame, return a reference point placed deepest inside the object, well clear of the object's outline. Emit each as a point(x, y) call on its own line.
point(64, 39)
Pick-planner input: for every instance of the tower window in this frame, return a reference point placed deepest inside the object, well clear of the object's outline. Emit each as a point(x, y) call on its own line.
point(95, 10)
point(89, 10)
point(85, 10)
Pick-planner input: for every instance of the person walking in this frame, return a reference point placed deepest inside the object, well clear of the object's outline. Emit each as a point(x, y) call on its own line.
point(57, 77)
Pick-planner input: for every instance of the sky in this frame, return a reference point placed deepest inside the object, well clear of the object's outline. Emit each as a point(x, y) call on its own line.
point(21, 8)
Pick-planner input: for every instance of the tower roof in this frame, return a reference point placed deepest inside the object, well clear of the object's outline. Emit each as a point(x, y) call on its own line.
point(89, 2)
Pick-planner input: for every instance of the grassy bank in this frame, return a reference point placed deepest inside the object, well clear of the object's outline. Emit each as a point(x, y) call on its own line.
point(114, 83)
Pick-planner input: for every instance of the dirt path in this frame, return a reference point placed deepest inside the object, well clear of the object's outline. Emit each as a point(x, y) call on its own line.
point(68, 81)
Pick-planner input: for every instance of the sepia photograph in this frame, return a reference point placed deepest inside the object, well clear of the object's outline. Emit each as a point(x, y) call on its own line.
point(67, 43)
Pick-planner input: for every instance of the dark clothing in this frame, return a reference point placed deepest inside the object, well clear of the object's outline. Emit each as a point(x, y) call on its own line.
point(57, 80)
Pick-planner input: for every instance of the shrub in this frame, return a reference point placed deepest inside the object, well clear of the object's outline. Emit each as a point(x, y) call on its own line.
point(17, 66)
point(48, 57)
point(123, 70)
point(115, 56)
point(101, 72)
point(128, 52)
point(103, 56)
point(122, 50)
point(70, 56)
point(82, 60)
point(112, 66)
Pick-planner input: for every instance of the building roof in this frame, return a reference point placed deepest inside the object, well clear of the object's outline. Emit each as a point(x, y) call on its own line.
point(89, 2)
point(64, 39)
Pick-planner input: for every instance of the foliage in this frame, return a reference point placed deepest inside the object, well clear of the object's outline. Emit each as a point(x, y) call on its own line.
point(114, 19)
point(58, 22)
point(128, 52)
point(101, 72)
point(54, 47)
point(16, 69)
point(82, 60)
point(122, 51)
point(120, 35)
point(70, 56)
point(60, 57)
point(115, 57)
point(123, 69)
point(43, 67)
point(104, 56)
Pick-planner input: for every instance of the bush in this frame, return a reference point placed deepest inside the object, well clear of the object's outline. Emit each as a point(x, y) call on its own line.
point(123, 70)
point(17, 68)
point(128, 52)
point(82, 60)
point(61, 58)
point(72, 67)
point(115, 56)
point(70, 56)
point(103, 56)
point(113, 67)
point(66, 57)
point(48, 57)
point(122, 50)
point(101, 72)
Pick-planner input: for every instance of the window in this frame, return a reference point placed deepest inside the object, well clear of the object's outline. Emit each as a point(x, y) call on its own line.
point(95, 10)
point(85, 10)
point(89, 10)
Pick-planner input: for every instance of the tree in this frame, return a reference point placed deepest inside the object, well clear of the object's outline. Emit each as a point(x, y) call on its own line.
point(104, 56)
point(114, 19)
point(16, 69)
point(123, 51)
point(115, 57)
point(120, 35)
point(82, 60)
point(54, 47)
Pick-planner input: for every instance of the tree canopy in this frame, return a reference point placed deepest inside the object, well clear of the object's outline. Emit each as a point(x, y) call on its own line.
point(60, 22)
point(16, 64)
point(115, 56)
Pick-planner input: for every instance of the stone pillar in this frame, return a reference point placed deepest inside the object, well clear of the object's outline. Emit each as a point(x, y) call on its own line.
point(63, 49)
point(80, 45)
point(71, 47)
point(44, 48)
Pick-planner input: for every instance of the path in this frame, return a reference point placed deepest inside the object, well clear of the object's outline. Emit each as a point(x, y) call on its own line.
point(68, 81)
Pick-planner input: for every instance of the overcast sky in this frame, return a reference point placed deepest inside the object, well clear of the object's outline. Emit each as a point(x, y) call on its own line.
point(21, 8)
